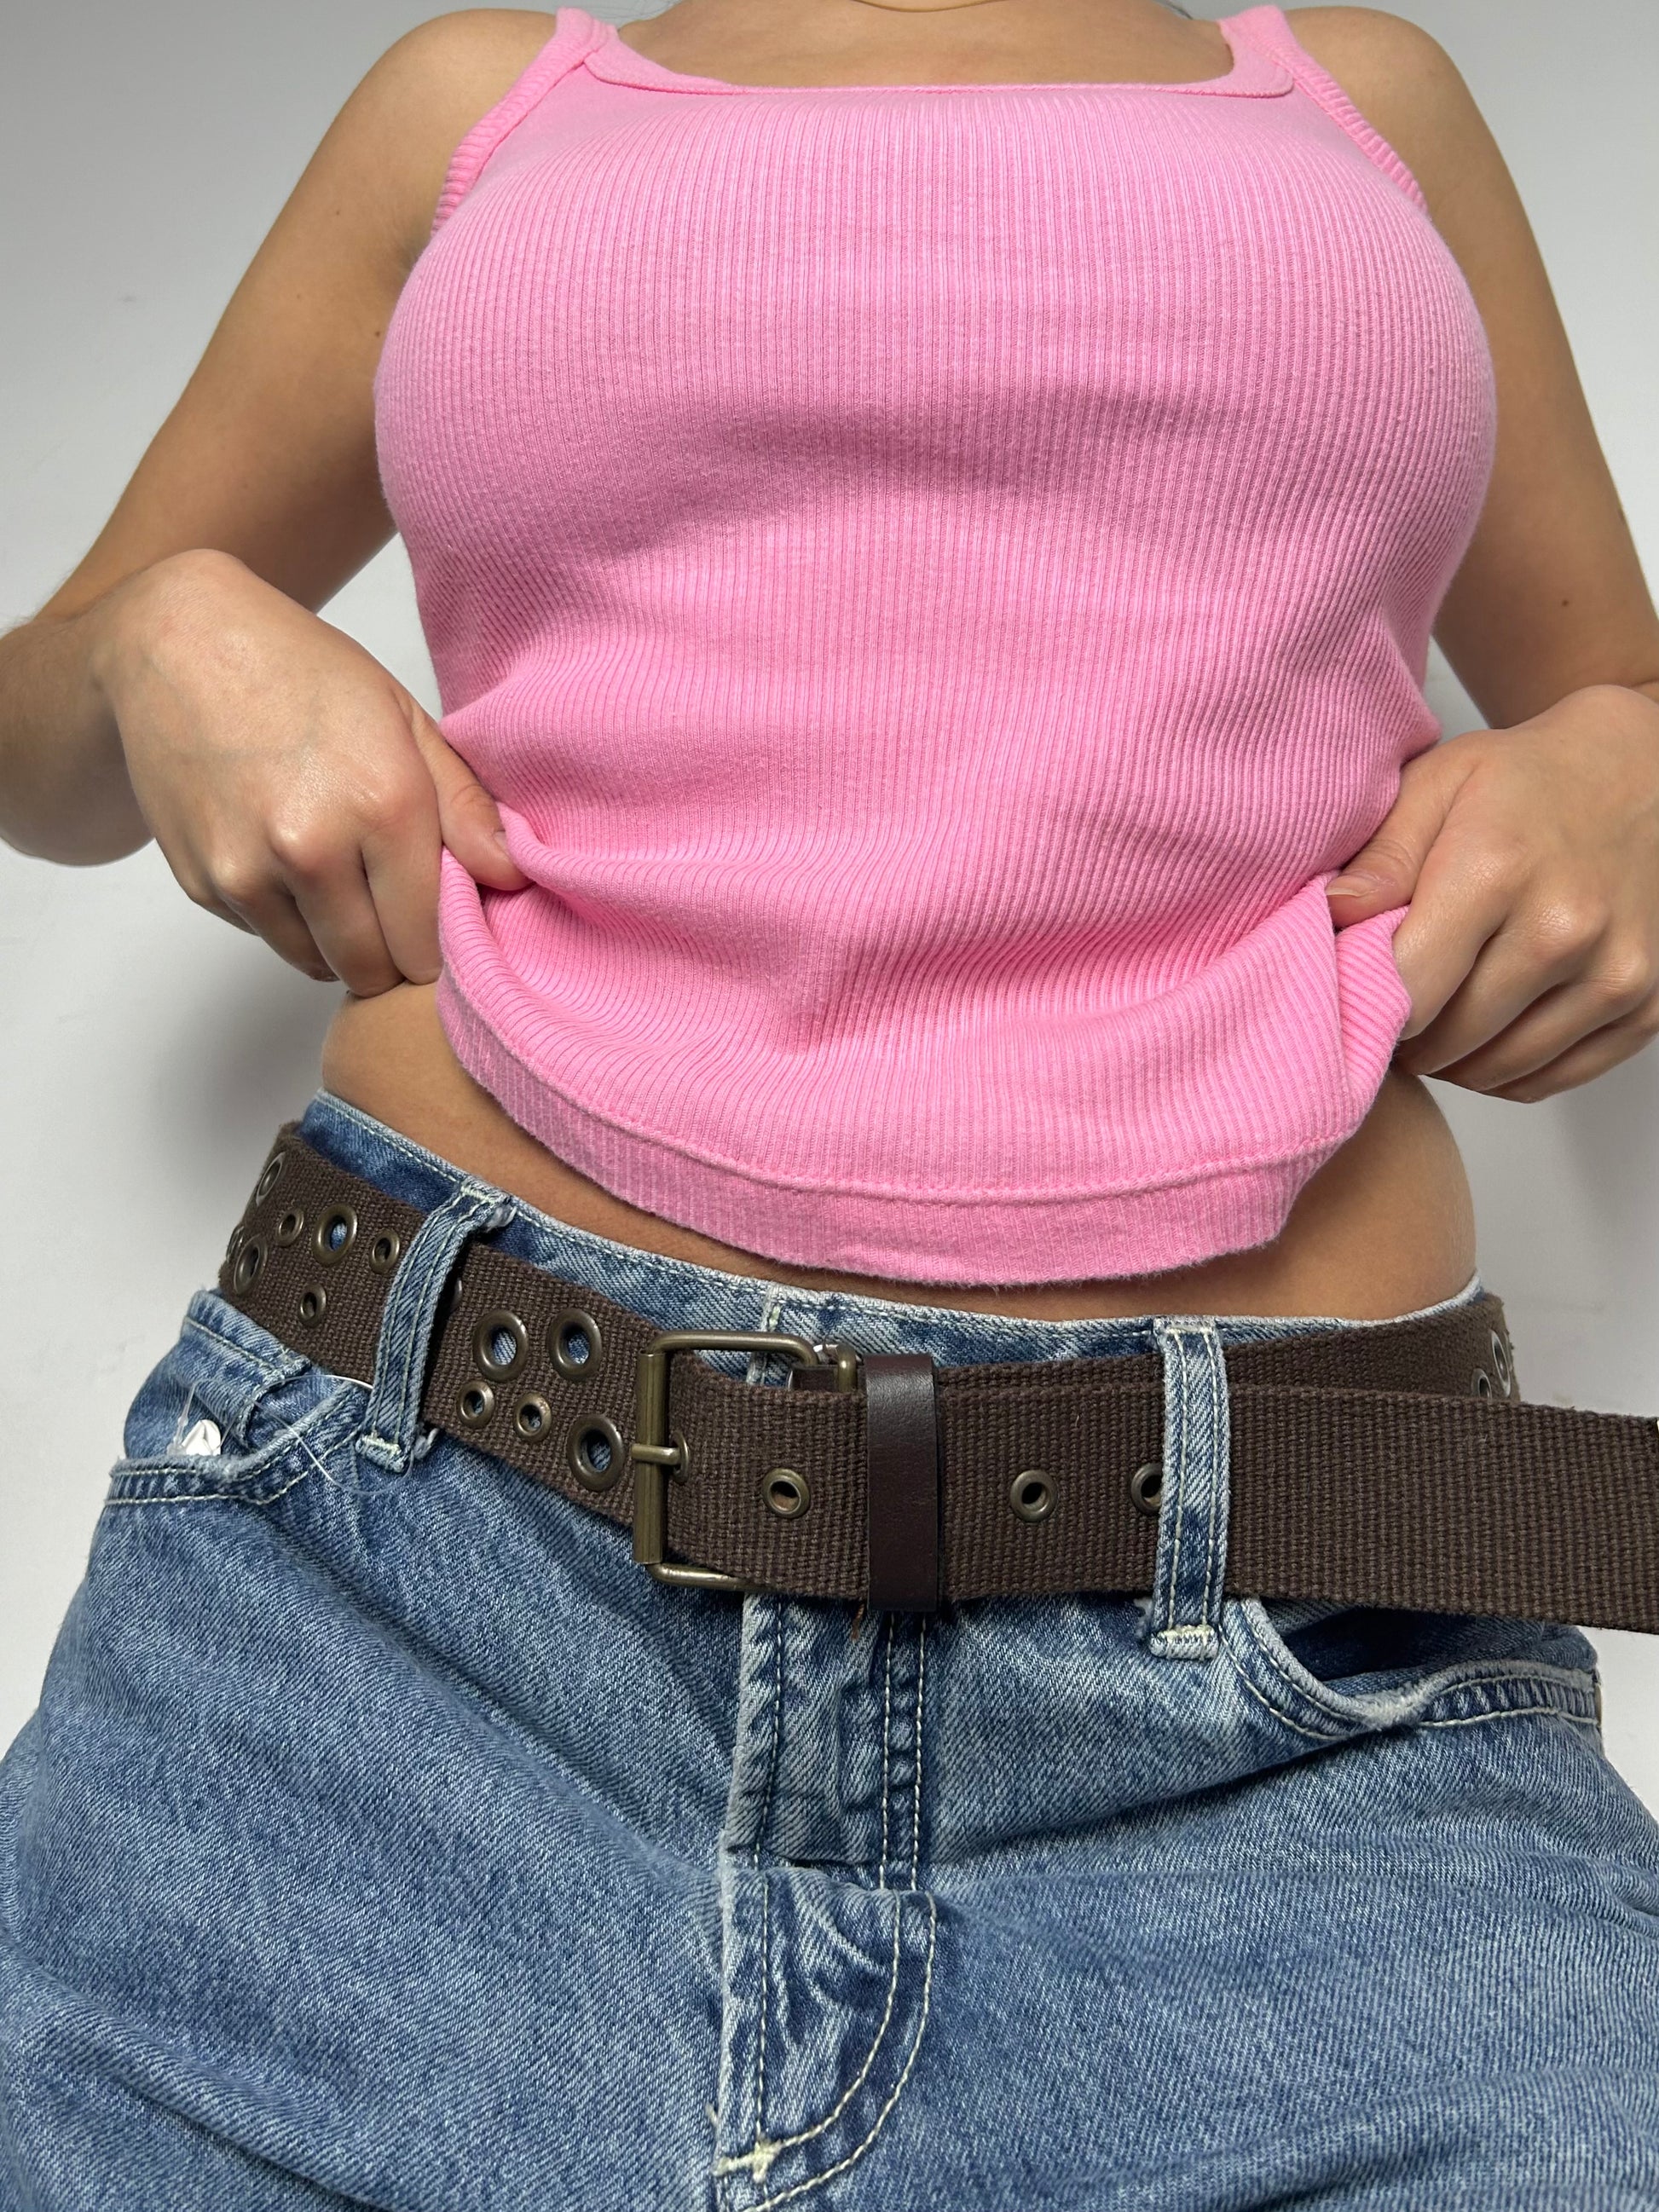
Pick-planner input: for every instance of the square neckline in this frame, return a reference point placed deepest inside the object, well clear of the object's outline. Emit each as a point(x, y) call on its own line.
point(1255, 73)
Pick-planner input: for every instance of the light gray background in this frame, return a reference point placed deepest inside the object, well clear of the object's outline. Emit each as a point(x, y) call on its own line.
point(150, 1051)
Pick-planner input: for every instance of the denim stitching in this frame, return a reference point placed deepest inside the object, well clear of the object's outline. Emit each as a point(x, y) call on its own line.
point(818, 2180)
point(1216, 1413)
point(1331, 1705)
point(1198, 1633)
point(765, 1994)
point(389, 1443)
point(1551, 1688)
point(1202, 1630)
point(760, 2157)
point(1518, 1713)
point(775, 1607)
point(1325, 1710)
point(181, 1427)
point(1173, 1344)
point(1540, 1674)
point(916, 1808)
point(1313, 1736)
point(766, 1887)
point(285, 1368)
point(273, 1369)
point(1549, 1697)
point(210, 1497)
point(765, 2149)
point(407, 1311)
point(886, 1753)
point(1194, 1415)
point(1200, 1636)
point(195, 1472)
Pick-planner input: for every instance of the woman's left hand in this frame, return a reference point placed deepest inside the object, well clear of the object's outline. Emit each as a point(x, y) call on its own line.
point(1530, 857)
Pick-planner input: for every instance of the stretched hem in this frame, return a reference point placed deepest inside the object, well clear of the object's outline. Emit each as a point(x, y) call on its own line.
point(909, 1237)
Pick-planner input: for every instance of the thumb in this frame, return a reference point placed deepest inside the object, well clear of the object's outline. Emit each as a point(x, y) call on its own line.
point(468, 818)
point(1383, 873)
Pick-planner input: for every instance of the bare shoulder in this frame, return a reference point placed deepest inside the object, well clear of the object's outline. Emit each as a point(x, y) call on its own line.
point(426, 91)
point(1407, 88)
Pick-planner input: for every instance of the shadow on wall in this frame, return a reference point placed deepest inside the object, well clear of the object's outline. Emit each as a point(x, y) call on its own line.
point(230, 1055)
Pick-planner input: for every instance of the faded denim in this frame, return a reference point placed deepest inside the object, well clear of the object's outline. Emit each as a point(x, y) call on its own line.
point(385, 1838)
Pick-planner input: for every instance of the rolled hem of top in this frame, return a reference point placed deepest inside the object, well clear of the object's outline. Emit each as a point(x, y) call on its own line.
point(986, 1243)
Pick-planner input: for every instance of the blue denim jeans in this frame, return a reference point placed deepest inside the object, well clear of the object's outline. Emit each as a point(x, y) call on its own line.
point(385, 1838)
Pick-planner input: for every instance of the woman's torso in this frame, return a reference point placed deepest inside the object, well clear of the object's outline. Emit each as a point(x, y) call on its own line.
point(1384, 1225)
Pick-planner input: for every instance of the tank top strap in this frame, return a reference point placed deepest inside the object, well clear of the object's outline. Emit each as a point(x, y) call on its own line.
point(575, 35)
point(1266, 28)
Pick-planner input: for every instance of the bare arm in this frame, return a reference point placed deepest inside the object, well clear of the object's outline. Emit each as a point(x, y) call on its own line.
point(1528, 854)
point(259, 496)
point(1550, 597)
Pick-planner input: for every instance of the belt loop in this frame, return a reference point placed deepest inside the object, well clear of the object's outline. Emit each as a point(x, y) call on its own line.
point(901, 1430)
point(1184, 1618)
point(406, 1325)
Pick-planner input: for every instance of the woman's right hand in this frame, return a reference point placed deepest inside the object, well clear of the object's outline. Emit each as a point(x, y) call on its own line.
point(293, 785)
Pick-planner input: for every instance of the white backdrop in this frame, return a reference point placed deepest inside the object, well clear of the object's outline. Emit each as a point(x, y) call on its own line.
point(149, 1052)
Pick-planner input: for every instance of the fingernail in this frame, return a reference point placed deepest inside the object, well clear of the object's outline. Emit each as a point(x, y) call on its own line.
point(1350, 886)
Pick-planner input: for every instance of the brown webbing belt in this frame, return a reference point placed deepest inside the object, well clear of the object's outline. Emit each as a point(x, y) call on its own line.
point(1390, 1465)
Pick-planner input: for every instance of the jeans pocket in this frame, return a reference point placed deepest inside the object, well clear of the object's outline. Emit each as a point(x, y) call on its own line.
point(1340, 1670)
point(225, 1403)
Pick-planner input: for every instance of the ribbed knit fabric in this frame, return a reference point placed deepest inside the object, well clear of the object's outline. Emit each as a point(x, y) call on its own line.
point(938, 578)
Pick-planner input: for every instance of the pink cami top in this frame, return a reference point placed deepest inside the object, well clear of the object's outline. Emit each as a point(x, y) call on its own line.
point(938, 578)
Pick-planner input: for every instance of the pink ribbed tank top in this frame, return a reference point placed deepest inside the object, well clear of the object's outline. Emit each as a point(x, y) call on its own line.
point(938, 579)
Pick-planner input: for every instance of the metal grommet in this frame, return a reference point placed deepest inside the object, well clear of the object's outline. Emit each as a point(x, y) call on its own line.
point(384, 1251)
point(237, 1235)
point(787, 1494)
point(1031, 1494)
point(500, 1323)
point(249, 1261)
point(573, 1322)
point(291, 1226)
point(313, 1305)
point(475, 1402)
point(268, 1174)
point(594, 1474)
point(1481, 1382)
point(343, 1218)
point(1500, 1360)
point(532, 1417)
point(1146, 1488)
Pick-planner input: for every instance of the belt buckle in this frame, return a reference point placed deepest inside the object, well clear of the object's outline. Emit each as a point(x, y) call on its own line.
point(656, 1455)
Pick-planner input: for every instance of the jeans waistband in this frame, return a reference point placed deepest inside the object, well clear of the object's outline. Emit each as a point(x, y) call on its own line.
point(682, 1293)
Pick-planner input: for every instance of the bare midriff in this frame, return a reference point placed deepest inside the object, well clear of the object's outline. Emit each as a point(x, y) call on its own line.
point(1386, 1225)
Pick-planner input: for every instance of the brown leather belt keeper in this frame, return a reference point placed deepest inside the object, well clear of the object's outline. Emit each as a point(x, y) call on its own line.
point(1392, 1465)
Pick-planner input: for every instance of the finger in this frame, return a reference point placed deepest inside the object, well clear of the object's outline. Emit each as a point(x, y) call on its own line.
point(270, 912)
point(1584, 1007)
point(1584, 1061)
point(340, 914)
point(1515, 995)
point(401, 860)
point(1547, 1029)
point(1463, 898)
point(221, 912)
point(1386, 868)
point(468, 817)
point(202, 888)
